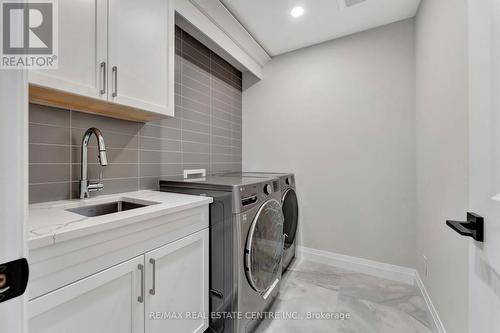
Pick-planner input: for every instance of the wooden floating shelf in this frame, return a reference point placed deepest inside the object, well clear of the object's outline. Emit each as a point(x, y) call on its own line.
point(57, 98)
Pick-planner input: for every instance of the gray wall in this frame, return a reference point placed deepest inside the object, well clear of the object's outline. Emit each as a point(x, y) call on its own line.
point(341, 115)
point(442, 155)
point(205, 133)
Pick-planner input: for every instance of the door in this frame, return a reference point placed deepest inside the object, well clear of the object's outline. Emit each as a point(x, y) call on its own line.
point(104, 302)
point(14, 180)
point(264, 246)
point(177, 285)
point(290, 207)
point(141, 54)
point(484, 165)
point(82, 50)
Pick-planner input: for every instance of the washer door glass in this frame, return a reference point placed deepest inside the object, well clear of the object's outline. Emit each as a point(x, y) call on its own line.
point(264, 249)
point(291, 214)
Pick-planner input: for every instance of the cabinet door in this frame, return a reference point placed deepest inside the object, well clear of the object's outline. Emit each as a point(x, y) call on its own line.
point(177, 282)
point(104, 302)
point(82, 49)
point(141, 54)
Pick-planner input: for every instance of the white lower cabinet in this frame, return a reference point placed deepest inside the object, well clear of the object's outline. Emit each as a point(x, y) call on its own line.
point(103, 302)
point(179, 285)
point(136, 296)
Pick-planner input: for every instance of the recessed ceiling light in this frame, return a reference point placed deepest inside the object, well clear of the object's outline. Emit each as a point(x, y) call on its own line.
point(297, 11)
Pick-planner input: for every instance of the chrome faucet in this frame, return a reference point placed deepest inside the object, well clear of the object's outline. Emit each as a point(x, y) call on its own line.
point(85, 185)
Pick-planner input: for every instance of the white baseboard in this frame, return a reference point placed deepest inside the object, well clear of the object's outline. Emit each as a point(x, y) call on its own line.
point(432, 309)
point(387, 271)
point(370, 267)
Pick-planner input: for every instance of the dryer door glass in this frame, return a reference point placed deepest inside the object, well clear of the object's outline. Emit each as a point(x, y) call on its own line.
point(291, 214)
point(264, 248)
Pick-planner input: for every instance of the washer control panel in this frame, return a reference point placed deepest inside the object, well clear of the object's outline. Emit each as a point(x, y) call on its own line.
point(252, 195)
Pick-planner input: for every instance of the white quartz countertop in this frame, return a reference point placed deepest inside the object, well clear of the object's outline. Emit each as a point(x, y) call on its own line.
point(50, 222)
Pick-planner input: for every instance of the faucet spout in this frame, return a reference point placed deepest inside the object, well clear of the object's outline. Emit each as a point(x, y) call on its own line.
point(102, 158)
point(85, 186)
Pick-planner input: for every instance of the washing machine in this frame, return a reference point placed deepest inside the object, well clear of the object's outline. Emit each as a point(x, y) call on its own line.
point(290, 207)
point(258, 241)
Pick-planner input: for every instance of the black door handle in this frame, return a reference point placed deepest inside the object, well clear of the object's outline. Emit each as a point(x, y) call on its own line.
point(473, 227)
point(13, 279)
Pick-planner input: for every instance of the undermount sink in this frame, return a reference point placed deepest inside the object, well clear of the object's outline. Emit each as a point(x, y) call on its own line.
point(108, 208)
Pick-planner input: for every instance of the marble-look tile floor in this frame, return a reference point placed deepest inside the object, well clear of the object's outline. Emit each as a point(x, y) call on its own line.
point(374, 305)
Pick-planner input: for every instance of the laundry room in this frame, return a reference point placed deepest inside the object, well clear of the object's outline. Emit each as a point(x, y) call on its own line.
point(232, 166)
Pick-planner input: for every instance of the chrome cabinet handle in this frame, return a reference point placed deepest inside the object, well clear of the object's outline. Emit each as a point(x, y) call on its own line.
point(140, 299)
point(216, 293)
point(103, 83)
point(115, 80)
point(152, 291)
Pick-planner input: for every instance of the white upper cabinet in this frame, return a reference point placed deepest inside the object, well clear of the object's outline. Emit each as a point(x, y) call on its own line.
point(141, 54)
point(118, 51)
point(82, 48)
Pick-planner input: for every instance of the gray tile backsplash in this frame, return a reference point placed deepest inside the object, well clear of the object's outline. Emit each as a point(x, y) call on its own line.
point(205, 133)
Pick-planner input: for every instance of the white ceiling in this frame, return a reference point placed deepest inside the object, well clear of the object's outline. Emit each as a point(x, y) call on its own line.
point(270, 22)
